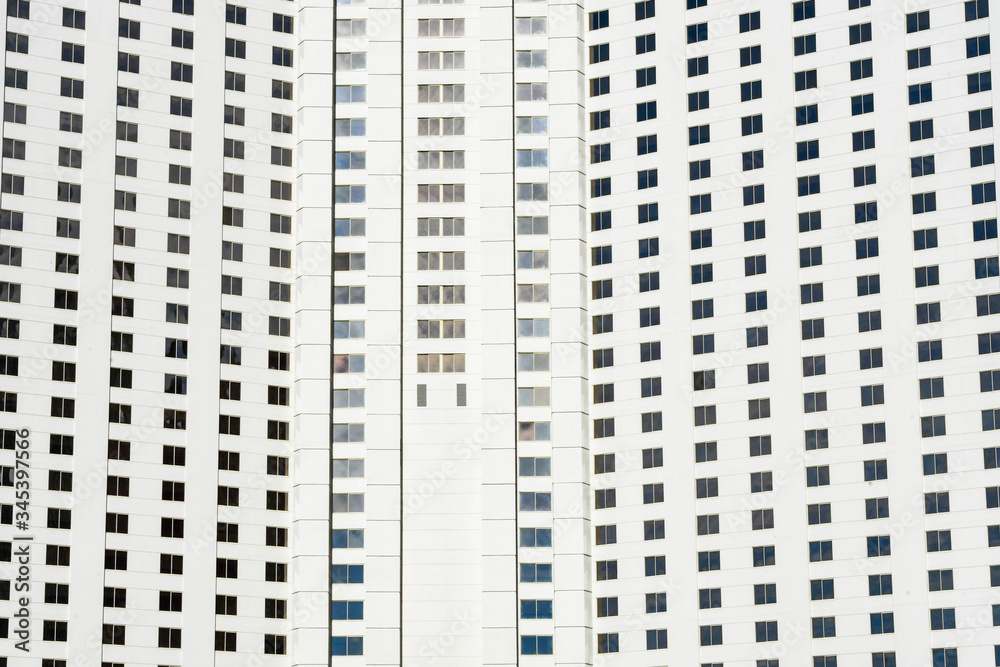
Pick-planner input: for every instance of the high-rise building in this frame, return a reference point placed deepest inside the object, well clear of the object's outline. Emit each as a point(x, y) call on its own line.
point(482, 333)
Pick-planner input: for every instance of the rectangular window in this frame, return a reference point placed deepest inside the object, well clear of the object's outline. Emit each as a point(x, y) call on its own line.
point(804, 44)
point(862, 104)
point(749, 55)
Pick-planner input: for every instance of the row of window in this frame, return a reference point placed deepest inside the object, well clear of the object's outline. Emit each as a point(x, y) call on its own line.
point(806, 9)
point(926, 202)
point(120, 450)
point(809, 150)
point(754, 124)
point(177, 208)
point(179, 106)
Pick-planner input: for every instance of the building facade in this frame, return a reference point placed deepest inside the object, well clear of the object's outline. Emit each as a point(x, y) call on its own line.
point(493, 387)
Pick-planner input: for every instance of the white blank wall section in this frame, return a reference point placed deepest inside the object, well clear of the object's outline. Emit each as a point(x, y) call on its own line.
point(385, 335)
point(571, 494)
point(494, 438)
point(91, 357)
point(313, 298)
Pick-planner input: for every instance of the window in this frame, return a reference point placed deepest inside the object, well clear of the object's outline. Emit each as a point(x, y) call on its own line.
point(69, 192)
point(756, 301)
point(708, 561)
point(656, 639)
point(817, 476)
point(652, 458)
point(976, 9)
point(646, 111)
point(807, 150)
point(645, 9)
point(940, 580)
point(173, 491)
point(18, 113)
point(918, 21)
point(646, 76)
point(945, 657)
point(815, 365)
point(824, 626)
point(647, 178)
point(649, 281)
point(810, 256)
point(603, 358)
point(868, 285)
point(62, 334)
point(763, 556)
point(701, 273)
point(814, 401)
point(704, 380)
point(979, 82)
point(750, 90)
point(14, 221)
point(936, 502)
point(862, 104)
point(981, 155)
point(917, 58)
point(749, 22)
point(753, 230)
point(760, 445)
point(704, 415)
point(707, 488)
point(755, 265)
point(604, 428)
point(806, 115)
point(861, 69)
point(872, 395)
point(818, 513)
point(749, 55)
point(865, 248)
point(598, 86)
point(645, 44)
point(864, 176)
point(236, 81)
point(756, 336)
point(811, 221)
point(882, 623)
point(803, 10)
point(753, 194)
point(700, 169)
point(984, 192)
point(875, 470)
point(988, 304)
point(749, 124)
point(72, 53)
point(859, 33)
point(648, 212)
point(702, 238)
point(698, 101)
point(812, 293)
point(700, 203)
point(804, 44)
point(974, 46)
point(711, 635)
point(762, 519)
point(698, 135)
point(599, 19)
